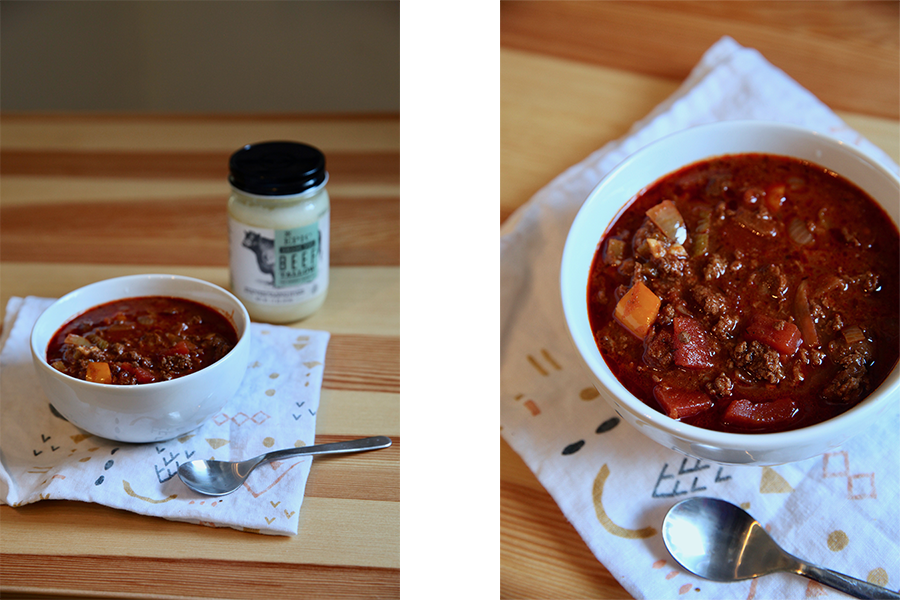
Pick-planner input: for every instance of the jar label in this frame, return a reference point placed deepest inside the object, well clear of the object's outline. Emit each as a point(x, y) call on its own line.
point(279, 266)
point(296, 255)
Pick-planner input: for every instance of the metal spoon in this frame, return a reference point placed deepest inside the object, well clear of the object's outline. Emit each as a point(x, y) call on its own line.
point(219, 478)
point(717, 540)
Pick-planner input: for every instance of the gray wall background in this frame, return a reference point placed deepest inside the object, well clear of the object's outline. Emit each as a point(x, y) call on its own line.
point(219, 56)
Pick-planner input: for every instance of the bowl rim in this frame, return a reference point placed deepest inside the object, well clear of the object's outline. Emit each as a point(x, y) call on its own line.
point(40, 354)
point(868, 408)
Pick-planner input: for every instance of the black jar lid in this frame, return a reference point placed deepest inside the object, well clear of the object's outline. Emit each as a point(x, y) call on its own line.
point(277, 168)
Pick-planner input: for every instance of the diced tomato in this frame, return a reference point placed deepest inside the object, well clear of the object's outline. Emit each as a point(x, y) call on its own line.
point(745, 413)
point(681, 404)
point(637, 310)
point(692, 347)
point(180, 348)
point(783, 336)
point(143, 375)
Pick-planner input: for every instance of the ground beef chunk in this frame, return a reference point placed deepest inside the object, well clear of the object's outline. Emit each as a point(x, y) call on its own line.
point(845, 354)
point(659, 349)
point(775, 282)
point(666, 314)
point(672, 262)
point(647, 231)
point(175, 364)
point(715, 267)
point(661, 255)
point(848, 385)
point(868, 281)
point(134, 358)
point(613, 338)
point(216, 345)
point(853, 379)
point(810, 357)
point(797, 372)
point(725, 326)
point(627, 267)
point(758, 362)
point(710, 301)
point(721, 386)
point(836, 323)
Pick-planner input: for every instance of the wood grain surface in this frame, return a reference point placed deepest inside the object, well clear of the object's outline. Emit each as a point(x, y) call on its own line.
point(85, 198)
point(576, 75)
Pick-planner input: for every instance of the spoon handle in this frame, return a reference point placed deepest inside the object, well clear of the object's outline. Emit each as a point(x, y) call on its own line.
point(358, 445)
point(844, 583)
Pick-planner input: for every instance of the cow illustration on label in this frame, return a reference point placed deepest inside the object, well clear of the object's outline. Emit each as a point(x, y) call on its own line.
point(264, 248)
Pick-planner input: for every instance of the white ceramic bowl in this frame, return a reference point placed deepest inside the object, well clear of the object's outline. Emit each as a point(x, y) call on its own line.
point(149, 412)
point(645, 167)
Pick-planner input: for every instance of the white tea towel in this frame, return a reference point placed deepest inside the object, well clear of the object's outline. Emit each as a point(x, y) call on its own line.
point(614, 485)
point(43, 456)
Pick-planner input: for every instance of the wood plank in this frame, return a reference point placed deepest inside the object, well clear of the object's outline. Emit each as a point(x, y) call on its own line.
point(541, 553)
point(344, 166)
point(846, 53)
point(179, 232)
point(172, 133)
point(331, 532)
point(57, 170)
point(18, 190)
point(363, 362)
point(361, 300)
point(571, 110)
point(558, 97)
point(130, 577)
point(360, 414)
point(367, 475)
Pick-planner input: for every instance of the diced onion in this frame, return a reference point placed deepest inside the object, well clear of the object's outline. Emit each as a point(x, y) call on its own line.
point(853, 334)
point(77, 340)
point(666, 216)
point(800, 233)
point(759, 226)
point(98, 341)
point(832, 283)
point(704, 220)
point(615, 251)
point(804, 315)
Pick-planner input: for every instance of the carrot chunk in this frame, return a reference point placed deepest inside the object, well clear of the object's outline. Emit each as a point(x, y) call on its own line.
point(681, 404)
point(692, 346)
point(760, 414)
point(783, 336)
point(98, 372)
point(637, 310)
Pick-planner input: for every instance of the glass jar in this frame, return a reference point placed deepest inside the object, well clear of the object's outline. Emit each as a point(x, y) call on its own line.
point(278, 230)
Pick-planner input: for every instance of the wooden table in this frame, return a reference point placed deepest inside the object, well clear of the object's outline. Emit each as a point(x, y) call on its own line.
point(576, 75)
point(85, 198)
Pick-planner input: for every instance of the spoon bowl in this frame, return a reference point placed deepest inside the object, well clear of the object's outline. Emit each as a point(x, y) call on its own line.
point(220, 478)
point(717, 540)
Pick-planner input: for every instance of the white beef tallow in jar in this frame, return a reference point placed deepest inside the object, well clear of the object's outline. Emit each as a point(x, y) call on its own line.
point(278, 230)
